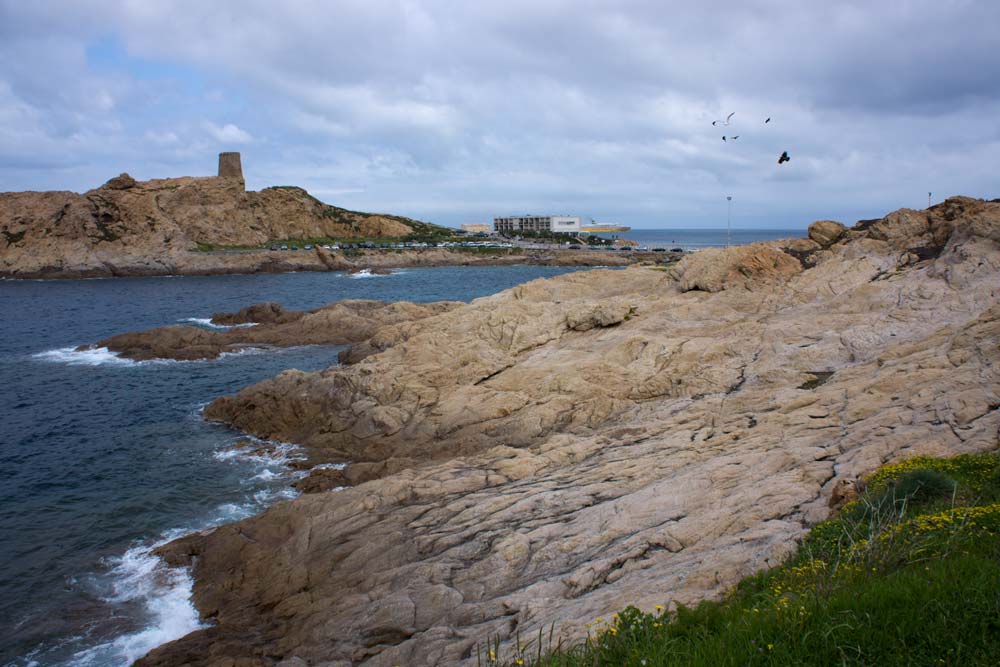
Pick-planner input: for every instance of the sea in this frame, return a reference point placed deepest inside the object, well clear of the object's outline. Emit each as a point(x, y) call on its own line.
point(696, 239)
point(102, 459)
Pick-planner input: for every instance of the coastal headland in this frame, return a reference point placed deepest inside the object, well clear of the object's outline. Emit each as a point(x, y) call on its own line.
point(548, 455)
point(213, 225)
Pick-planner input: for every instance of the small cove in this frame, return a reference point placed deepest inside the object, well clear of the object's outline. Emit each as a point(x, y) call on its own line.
point(101, 459)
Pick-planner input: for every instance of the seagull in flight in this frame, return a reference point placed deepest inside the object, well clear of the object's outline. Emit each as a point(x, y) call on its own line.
point(724, 138)
point(784, 157)
point(724, 122)
point(767, 121)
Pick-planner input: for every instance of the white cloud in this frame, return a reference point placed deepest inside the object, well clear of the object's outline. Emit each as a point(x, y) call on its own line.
point(228, 133)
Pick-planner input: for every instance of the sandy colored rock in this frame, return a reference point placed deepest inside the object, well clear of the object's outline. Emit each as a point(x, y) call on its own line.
point(826, 232)
point(555, 475)
point(269, 312)
point(716, 269)
point(121, 182)
point(169, 227)
point(334, 324)
point(151, 227)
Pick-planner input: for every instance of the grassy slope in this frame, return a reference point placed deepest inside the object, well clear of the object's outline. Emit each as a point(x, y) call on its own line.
point(420, 229)
point(909, 574)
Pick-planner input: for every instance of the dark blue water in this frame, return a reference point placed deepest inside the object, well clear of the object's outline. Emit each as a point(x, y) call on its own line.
point(100, 459)
point(695, 239)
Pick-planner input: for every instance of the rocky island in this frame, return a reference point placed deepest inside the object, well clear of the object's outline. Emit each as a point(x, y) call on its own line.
point(213, 225)
point(550, 454)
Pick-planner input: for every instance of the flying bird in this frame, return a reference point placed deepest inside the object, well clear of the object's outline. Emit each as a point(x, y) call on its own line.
point(767, 121)
point(784, 157)
point(724, 138)
point(724, 122)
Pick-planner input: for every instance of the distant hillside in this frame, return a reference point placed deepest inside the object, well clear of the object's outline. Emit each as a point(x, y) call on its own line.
point(126, 226)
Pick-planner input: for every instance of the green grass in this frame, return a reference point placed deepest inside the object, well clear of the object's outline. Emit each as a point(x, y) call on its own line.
point(421, 231)
point(487, 251)
point(908, 574)
point(212, 247)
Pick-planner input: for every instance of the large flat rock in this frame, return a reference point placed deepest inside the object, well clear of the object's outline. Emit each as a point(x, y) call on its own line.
point(558, 451)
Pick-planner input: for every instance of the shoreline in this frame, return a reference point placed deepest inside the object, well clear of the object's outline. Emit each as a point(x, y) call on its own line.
point(229, 262)
point(560, 405)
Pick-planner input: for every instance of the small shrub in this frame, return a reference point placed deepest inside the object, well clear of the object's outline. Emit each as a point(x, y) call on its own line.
point(923, 485)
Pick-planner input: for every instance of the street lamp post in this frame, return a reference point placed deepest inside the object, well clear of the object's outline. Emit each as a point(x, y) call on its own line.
point(729, 215)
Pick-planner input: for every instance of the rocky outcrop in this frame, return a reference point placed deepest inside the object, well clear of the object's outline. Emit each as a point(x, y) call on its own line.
point(555, 452)
point(716, 269)
point(127, 227)
point(334, 324)
point(826, 232)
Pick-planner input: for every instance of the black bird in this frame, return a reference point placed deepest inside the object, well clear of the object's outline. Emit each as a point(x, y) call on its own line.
point(784, 157)
point(767, 121)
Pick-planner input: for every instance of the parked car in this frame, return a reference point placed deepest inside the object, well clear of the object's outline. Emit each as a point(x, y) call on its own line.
point(284, 247)
point(294, 247)
point(308, 246)
point(274, 247)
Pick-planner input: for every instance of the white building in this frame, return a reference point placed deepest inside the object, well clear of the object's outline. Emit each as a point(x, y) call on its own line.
point(565, 224)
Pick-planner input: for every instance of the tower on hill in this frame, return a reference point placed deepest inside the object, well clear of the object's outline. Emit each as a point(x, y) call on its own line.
point(230, 166)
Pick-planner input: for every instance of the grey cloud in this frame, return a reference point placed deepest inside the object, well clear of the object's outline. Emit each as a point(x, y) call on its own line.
point(456, 112)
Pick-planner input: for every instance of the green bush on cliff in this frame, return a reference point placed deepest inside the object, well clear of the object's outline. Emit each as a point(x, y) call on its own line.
point(908, 574)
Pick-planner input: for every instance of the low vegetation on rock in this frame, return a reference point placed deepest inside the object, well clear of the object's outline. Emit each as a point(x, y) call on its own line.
point(907, 574)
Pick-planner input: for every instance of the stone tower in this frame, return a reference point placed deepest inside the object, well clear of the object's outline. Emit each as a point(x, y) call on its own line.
point(230, 166)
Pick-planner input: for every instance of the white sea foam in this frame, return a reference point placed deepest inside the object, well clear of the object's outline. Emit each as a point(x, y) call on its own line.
point(266, 497)
point(165, 595)
point(267, 475)
point(330, 466)
point(100, 356)
point(207, 322)
point(267, 453)
point(366, 273)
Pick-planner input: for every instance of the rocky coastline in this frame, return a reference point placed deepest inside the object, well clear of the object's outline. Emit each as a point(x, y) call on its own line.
point(269, 325)
point(172, 226)
point(555, 452)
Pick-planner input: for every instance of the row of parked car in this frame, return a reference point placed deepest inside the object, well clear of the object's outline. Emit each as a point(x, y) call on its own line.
point(628, 248)
point(398, 246)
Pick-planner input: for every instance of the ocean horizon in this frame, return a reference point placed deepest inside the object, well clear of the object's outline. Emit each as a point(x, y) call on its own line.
point(694, 239)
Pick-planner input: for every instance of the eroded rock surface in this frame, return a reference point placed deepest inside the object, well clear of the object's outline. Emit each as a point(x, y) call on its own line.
point(571, 446)
point(826, 232)
point(334, 324)
point(168, 226)
point(127, 227)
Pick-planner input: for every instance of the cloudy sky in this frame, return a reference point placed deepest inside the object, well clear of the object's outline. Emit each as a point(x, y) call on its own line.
point(459, 111)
